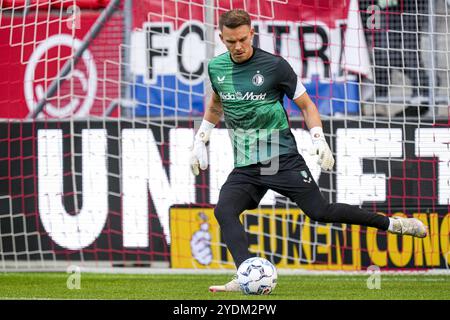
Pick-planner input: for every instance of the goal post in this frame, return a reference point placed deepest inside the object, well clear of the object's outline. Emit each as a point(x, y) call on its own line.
point(101, 176)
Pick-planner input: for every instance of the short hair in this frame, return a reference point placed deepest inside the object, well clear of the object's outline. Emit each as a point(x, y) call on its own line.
point(234, 18)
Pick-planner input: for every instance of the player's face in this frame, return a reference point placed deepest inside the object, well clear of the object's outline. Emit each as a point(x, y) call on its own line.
point(238, 42)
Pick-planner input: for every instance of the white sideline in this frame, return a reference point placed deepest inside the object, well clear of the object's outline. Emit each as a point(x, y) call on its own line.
point(168, 271)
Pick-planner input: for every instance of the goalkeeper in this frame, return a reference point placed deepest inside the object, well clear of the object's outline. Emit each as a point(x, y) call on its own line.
point(249, 85)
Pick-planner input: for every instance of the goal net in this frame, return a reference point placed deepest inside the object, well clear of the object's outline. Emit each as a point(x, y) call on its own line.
point(101, 100)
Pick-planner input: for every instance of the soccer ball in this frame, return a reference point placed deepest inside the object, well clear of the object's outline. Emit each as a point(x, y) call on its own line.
point(257, 276)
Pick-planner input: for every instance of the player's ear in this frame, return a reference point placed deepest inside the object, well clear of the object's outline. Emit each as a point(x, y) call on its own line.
point(252, 33)
point(221, 36)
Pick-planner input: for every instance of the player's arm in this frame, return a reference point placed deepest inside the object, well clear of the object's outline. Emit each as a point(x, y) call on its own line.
point(314, 124)
point(309, 111)
point(212, 116)
point(292, 86)
point(214, 110)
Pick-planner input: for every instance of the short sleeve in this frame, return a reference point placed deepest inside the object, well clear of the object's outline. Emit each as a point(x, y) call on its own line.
point(289, 82)
point(211, 80)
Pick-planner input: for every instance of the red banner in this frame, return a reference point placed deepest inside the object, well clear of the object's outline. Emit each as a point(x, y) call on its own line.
point(297, 10)
point(34, 51)
point(41, 4)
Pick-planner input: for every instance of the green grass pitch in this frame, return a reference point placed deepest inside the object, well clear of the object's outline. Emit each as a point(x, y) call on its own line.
point(195, 287)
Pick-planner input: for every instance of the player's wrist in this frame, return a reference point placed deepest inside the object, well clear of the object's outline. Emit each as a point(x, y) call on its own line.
point(204, 131)
point(317, 133)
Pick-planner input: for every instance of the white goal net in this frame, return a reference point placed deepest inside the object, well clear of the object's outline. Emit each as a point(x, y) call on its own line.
point(101, 99)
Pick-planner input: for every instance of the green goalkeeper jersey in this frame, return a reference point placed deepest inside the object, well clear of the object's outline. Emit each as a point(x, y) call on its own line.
point(252, 95)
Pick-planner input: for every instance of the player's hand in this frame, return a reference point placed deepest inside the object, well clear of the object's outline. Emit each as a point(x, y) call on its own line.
point(321, 149)
point(199, 154)
point(199, 157)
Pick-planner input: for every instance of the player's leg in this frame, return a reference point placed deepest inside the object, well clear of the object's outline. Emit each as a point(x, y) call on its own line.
point(295, 182)
point(232, 202)
point(315, 206)
point(238, 194)
point(345, 213)
point(306, 194)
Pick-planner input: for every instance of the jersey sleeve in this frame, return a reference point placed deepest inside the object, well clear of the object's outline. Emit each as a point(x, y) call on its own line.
point(211, 79)
point(289, 82)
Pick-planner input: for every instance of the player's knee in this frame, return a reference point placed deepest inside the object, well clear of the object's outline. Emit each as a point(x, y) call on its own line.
point(219, 212)
point(224, 212)
point(321, 213)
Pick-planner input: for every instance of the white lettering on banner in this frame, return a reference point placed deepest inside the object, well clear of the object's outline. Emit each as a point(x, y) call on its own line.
point(73, 231)
point(435, 142)
point(311, 47)
point(169, 51)
point(181, 179)
point(142, 170)
point(220, 161)
point(352, 145)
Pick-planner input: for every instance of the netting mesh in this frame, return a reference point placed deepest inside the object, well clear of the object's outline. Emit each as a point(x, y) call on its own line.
point(101, 176)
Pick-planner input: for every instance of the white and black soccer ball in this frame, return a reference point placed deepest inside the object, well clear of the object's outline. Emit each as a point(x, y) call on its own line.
point(257, 276)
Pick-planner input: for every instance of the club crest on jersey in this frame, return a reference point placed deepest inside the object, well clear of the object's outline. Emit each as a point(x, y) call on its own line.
point(258, 79)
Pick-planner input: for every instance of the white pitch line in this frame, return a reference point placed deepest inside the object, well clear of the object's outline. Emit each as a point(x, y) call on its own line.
point(166, 271)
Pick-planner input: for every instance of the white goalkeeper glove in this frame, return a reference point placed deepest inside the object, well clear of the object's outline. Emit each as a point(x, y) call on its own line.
point(199, 155)
point(321, 148)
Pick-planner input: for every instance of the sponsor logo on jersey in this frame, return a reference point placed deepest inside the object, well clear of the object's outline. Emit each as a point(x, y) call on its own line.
point(220, 79)
point(258, 79)
point(230, 96)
